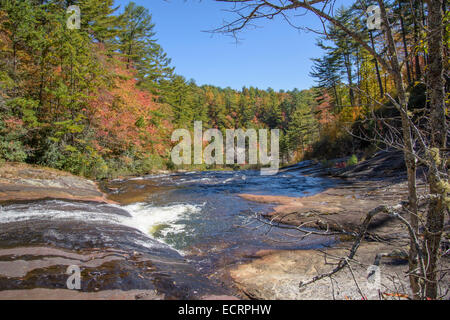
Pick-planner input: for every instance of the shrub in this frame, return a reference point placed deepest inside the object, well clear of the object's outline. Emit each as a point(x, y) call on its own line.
point(12, 151)
point(84, 160)
point(170, 165)
point(352, 160)
point(330, 147)
point(11, 146)
point(148, 164)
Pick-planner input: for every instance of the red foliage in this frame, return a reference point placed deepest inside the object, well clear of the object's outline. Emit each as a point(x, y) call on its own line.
point(13, 124)
point(122, 115)
point(324, 115)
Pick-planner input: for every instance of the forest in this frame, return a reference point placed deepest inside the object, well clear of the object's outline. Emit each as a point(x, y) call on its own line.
point(102, 101)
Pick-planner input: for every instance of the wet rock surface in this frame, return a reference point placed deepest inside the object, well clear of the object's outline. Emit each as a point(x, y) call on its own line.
point(65, 294)
point(40, 238)
point(360, 188)
point(277, 274)
point(384, 165)
point(340, 209)
point(26, 182)
point(37, 253)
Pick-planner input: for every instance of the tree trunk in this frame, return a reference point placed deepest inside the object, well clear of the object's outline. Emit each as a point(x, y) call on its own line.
point(408, 148)
point(416, 41)
point(348, 67)
point(336, 96)
point(405, 45)
point(436, 91)
point(377, 68)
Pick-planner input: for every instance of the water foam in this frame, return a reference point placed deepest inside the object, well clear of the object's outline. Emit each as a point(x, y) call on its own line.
point(143, 217)
point(18, 213)
point(165, 220)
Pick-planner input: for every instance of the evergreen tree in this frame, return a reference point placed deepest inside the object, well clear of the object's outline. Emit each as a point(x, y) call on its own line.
point(140, 48)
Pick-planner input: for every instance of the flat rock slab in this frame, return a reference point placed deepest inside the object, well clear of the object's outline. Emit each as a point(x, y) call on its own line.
point(342, 208)
point(36, 254)
point(277, 274)
point(65, 294)
point(19, 182)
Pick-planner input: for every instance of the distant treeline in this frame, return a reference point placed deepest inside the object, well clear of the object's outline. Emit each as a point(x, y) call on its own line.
point(103, 100)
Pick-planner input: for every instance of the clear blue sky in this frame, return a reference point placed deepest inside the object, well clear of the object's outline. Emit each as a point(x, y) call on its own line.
point(275, 55)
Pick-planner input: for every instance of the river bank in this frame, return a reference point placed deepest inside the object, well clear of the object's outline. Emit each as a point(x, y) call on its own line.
point(23, 182)
point(380, 180)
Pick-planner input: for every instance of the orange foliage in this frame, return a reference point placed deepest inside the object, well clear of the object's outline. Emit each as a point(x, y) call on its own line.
point(123, 115)
point(324, 115)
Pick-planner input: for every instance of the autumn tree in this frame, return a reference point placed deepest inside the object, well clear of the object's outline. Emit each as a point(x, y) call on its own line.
point(431, 150)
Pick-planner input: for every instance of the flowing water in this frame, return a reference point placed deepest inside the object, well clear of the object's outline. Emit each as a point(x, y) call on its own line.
point(196, 216)
point(200, 214)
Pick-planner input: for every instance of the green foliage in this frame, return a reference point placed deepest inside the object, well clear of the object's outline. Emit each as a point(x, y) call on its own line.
point(147, 164)
point(49, 76)
point(12, 151)
point(25, 108)
point(352, 160)
point(81, 161)
point(292, 112)
point(329, 147)
point(303, 126)
point(170, 165)
point(6, 82)
point(136, 41)
point(11, 146)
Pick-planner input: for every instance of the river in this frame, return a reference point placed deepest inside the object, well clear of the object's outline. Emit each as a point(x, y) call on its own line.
point(198, 216)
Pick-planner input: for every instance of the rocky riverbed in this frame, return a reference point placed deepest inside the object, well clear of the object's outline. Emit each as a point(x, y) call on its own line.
point(19, 181)
point(195, 236)
point(51, 220)
point(380, 180)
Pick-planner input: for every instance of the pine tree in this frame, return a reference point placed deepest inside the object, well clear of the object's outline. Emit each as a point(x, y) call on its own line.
point(138, 45)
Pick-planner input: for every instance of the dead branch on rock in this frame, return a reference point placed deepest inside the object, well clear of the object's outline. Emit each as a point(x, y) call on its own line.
point(272, 223)
point(344, 262)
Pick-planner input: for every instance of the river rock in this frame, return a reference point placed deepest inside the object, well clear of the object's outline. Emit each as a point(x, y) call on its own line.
point(20, 181)
point(380, 180)
point(277, 274)
point(342, 208)
point(113, 258)
point(51, 220)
